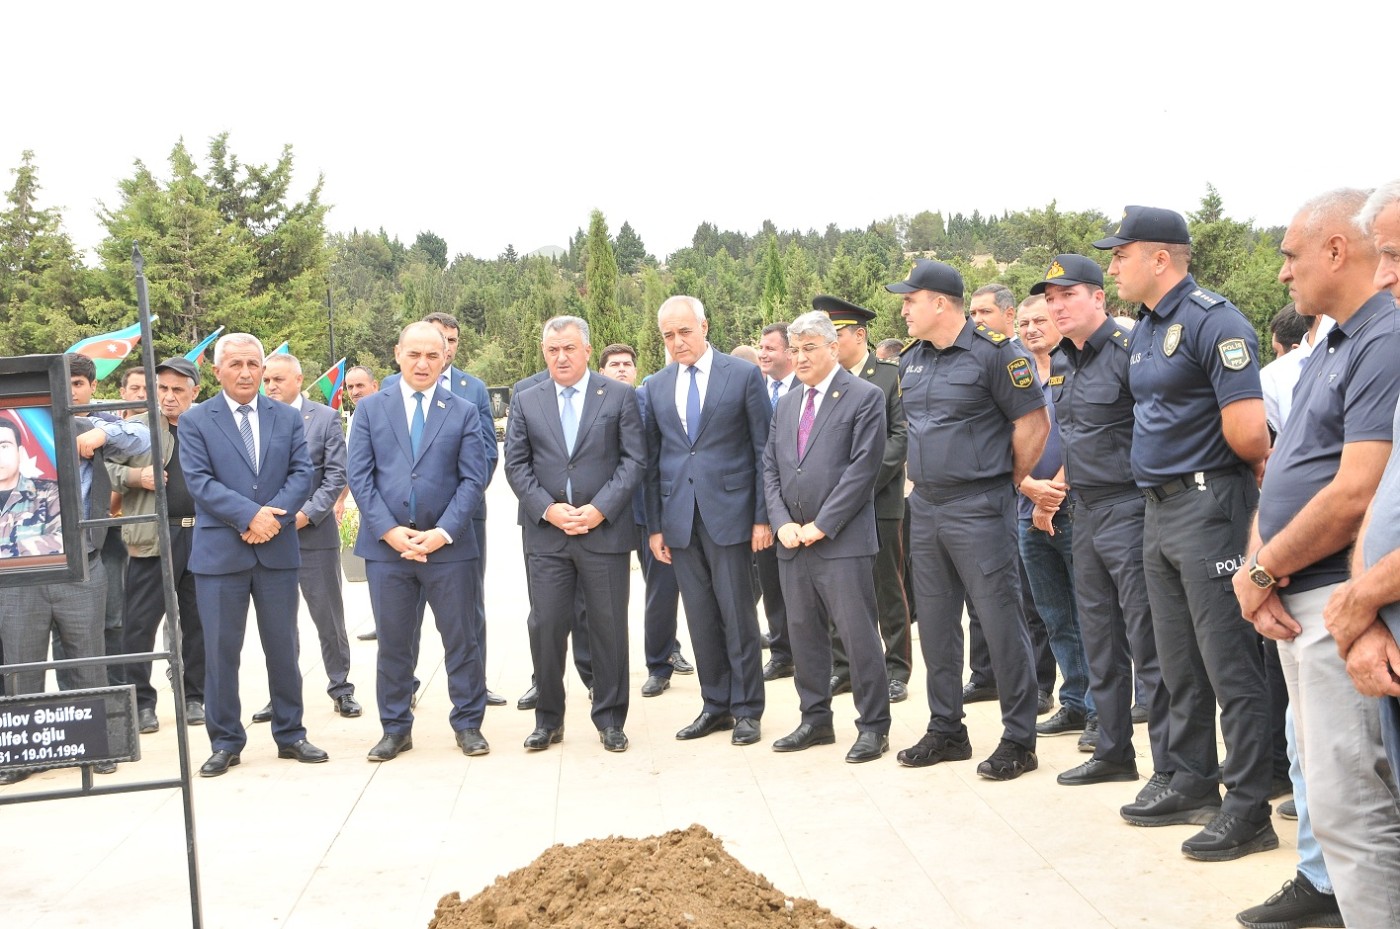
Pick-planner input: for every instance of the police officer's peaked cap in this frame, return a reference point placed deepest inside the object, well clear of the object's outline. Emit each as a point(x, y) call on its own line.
point(179, 366)
point(1148, 224)
point(928, 274)
point(1068, 270)
point(842, 312)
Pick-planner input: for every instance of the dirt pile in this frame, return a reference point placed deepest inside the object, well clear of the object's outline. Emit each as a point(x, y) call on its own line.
point(681, 880)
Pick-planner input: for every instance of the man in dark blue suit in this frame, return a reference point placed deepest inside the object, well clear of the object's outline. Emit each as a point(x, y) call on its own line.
point(474, 390)
point(418, 469)
point(706, 434)
point(247, 468)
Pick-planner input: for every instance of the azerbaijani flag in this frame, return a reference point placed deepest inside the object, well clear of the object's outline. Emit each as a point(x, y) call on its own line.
point(332, 383)
point(196, 354)
point(109, 350)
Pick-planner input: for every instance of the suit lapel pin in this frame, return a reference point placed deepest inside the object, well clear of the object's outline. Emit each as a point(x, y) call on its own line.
point(441, 405)
point(835, 394)
point(600, 391)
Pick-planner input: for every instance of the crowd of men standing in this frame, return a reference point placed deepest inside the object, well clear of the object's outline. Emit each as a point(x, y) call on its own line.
point(1129, 505)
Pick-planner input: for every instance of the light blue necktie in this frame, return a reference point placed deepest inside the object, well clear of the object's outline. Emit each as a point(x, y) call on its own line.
point(774, 402)
point(569, 421)
point(692, 406)
point(415, 439)
point(415, 429)
point(245, 429)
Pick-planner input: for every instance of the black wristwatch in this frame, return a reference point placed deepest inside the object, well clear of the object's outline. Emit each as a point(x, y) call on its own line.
point(1260, 575)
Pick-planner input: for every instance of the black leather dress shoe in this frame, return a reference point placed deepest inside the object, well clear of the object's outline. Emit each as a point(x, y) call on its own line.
point(264, 715)
point(368, 636)
point(494, 699)
point(146, 721)
point(746, 731)
point(840, 685)
point(473, 743)
point(656, 686)
point(542, 738)
point(346, 705)
point(194, 713)
point(218, 763)
point(869, 746)
point(705, 724)
point(899, 691)
point(979, 693)
point(529, 699)
point(14, 777)
point(776, 669)
point(679, 663)
point(804, 737)
point(105, 767)
point(1098, 771)
point(390, 747)
point(303, 751)
point(613, 739)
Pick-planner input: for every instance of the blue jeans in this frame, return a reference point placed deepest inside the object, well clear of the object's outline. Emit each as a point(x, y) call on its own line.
point(1050, 568)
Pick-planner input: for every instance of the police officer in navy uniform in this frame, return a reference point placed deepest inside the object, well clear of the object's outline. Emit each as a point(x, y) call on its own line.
point(853, 353)
point(977, 424)
point(1094, 412)
point(1199, 444)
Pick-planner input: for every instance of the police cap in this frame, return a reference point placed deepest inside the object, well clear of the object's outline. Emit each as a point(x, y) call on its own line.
point(179, 366)
point(1148, 224)
point(1068, 270)
point(928, 274)
point(842, 312)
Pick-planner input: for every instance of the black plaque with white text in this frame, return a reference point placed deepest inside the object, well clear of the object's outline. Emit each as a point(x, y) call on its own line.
point(75, 727)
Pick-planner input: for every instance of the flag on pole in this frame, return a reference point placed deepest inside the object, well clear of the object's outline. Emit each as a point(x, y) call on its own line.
point(109, 349)
point(332, 383)
point(196, 354)
point(284, 349)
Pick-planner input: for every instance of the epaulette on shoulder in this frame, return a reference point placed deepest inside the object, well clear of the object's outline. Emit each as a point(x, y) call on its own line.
point(1206, 299)
point(887, 361)
point(1119, 337)
point(908, 344)
point(996, 338)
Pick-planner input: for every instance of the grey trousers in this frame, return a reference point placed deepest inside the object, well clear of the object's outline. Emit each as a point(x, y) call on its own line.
point(75, 610)
point(1352, 797)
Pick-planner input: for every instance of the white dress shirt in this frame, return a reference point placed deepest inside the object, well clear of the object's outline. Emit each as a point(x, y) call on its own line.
point(703, 366)
point(252, 422)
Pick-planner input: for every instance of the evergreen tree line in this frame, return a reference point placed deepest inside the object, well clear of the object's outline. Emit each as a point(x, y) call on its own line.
point(227, 245)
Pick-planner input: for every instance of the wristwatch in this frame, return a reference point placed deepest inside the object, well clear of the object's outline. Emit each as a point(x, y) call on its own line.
point(1260, 575)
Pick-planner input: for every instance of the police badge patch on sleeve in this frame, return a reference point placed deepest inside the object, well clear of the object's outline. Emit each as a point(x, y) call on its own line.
point(1233, 354)
point(1020, 371)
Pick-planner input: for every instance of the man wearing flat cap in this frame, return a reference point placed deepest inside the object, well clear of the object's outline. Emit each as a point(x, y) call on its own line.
point(977, 424)
point(1094, 414)
point(1199, 444)
point(892, 609)
point(177, 386)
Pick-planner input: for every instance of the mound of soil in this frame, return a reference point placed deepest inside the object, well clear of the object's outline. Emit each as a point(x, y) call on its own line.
point(681, 880)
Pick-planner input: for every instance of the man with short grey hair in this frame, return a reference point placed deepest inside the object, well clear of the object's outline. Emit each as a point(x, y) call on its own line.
point(574, 452)
point(706, 508)
point(820, 465)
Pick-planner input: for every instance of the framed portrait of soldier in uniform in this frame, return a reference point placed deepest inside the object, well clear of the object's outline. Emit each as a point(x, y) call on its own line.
point(40, 498)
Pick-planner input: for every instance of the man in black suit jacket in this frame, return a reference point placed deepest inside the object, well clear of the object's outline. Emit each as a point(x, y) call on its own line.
point(824, 453)
point(708, 425)
point(574, 452)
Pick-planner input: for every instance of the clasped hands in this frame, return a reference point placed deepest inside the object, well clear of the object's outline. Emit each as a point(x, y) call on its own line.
point(792, 535)
point(263, 526)
point(414, 544)
point(573, 520)
point(1047, 495)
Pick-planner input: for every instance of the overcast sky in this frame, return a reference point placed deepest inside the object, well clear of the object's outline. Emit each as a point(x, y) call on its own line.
point(508, 122)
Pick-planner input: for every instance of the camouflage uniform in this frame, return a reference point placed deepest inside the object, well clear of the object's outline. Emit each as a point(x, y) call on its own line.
point(29, 520)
